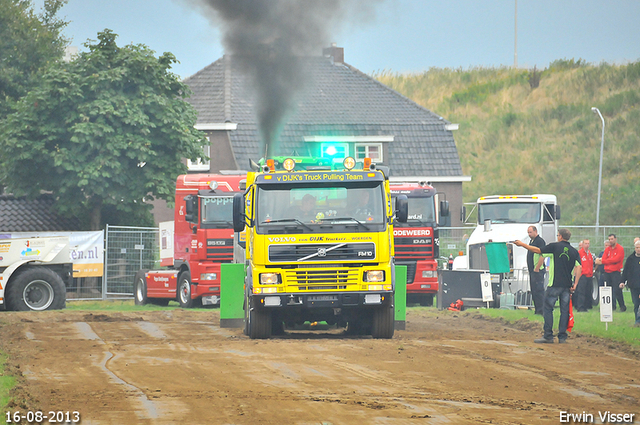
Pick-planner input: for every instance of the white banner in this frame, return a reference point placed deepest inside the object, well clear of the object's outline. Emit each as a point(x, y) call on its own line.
point(86, 251)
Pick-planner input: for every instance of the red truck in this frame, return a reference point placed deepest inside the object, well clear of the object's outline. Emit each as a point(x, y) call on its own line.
point(417, 242)
point(202, 240)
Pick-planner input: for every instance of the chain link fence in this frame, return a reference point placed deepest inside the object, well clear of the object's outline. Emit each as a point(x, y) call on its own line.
point(127, 250)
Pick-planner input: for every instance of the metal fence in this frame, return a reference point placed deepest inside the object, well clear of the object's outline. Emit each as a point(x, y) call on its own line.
point(127, 250)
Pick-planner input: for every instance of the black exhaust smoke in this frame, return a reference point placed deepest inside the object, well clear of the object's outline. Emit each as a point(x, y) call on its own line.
point(268, 40)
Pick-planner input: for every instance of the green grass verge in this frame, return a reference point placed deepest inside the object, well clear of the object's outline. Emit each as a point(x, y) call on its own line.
point(6, 383)
point(587, 323)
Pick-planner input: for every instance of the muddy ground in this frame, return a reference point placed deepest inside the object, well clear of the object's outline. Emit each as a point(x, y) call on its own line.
point(179, 366)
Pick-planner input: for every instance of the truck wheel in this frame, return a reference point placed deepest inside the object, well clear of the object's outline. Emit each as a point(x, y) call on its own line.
point(383, 322)
point(140, 288)
point(259, 325)
point(36, 288)
point(184, 290)
point(426, 300)
point(594, 292)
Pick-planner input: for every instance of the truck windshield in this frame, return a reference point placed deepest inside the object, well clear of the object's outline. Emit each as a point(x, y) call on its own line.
point(318, 209)
point(421, 210)
point(509, 212)
point(217, 211)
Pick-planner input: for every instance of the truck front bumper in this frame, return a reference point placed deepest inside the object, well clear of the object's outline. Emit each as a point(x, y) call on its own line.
point(323, 300)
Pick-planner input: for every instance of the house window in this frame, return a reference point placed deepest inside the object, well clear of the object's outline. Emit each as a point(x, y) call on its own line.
point(200, 164)
point(334, 150)
point(369, 150)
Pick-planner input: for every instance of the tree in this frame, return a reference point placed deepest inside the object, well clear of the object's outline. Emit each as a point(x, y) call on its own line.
point(107, 131)
point(29, 42)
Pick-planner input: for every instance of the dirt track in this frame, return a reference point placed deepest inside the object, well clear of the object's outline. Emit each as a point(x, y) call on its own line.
point(168, 367)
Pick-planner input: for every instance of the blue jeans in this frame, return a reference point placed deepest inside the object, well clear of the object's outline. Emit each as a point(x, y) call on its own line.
point(536, 284)
point(551, 295)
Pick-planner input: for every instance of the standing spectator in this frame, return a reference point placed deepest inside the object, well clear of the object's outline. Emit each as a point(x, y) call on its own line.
point(582, 296)
point(536, 274)
point(631, 275)
point(600, 267)
point(612, 259)
point(565, 261)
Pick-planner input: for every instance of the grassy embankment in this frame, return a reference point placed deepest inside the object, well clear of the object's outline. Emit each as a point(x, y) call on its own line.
point(518, 138)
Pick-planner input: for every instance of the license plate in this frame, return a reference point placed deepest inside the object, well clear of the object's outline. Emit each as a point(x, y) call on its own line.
point(323, 298)
point(211, 300)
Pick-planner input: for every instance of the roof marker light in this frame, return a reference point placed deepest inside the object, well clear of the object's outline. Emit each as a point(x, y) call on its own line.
point(213, 185)
point(349, 163)
point(271, 164)
point(289, 164)
point(367, 163)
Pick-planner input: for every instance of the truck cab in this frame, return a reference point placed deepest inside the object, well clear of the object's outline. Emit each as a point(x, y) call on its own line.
point(202, 240)
point(417, 244)
point(318, 247)
point(505, 218)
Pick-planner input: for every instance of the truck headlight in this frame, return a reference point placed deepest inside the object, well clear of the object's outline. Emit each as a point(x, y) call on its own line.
point(269, 278)
point(208, 276)
point(374, 276)
point(429, 273)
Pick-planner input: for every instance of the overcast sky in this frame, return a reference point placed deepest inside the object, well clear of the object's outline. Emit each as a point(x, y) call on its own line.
point(403, 36)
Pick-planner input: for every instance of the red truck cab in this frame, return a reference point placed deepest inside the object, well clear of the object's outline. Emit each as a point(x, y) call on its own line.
point(417, 242)
point(203, 239)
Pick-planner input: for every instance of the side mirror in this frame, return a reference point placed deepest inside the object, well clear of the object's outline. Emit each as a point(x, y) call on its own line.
point(463, 213)
point(444, 208)
point(402, 208)
point(191, 206)
point(238, 213)
point(557, 212)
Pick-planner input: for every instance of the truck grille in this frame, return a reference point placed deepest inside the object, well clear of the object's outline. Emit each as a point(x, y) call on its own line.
point(413, 249)
point(322, 252)
point(411, 269)
point(220, 250)
point(321, 279)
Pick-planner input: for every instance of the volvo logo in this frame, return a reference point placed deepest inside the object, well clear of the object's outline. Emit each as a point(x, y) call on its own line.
point(322, 252)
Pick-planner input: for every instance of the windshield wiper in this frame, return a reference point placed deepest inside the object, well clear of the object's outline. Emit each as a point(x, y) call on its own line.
point(334, 219)
point(284, 220)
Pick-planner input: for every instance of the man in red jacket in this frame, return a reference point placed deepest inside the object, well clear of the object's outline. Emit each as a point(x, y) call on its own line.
point(612, 259)
point(582, 297)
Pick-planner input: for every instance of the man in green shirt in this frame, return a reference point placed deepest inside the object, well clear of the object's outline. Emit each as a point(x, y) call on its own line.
point(566, 261)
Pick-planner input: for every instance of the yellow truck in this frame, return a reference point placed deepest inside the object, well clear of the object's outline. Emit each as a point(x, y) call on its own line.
point(319, 246)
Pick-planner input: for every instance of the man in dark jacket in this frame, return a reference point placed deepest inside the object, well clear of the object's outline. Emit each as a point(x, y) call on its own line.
point(536, 277)
point(631, 275)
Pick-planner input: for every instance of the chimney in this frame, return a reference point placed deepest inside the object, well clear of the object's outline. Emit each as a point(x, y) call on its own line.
point(335, 53)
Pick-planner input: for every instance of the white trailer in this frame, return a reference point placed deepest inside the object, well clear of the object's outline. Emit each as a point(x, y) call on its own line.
point(34, 272)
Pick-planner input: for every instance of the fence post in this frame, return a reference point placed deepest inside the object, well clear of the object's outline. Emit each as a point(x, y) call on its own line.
point(106, 264)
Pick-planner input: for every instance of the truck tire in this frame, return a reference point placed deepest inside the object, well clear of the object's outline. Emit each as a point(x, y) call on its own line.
point(426, 300)
point(259, 324)
point(140, 288)
point(184, 290)
point(36, 288)
point(383, 322)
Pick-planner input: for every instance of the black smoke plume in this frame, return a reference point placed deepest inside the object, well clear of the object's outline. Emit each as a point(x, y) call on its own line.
point(268, 40)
